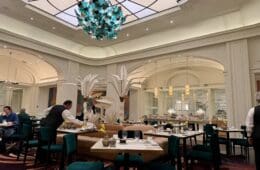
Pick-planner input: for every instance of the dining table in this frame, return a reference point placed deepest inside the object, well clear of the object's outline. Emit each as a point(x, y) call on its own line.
point(5, 125)
point(76, 130)
point(131, 146)
point(182, 136)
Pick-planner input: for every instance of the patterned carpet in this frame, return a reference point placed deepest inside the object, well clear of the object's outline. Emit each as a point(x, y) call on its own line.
point(9, 162)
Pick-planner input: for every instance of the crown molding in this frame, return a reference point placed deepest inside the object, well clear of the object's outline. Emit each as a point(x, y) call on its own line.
point(188, 44)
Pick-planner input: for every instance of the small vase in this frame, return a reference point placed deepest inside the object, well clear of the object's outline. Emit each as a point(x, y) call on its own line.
point(105, 141)
point(112, 142)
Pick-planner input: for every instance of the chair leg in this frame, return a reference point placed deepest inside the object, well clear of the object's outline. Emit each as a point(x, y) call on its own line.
point(37, 156)
point(248, 154)
point(25, 154)
point(19, 150)
point(195, 140)
point(234, 149)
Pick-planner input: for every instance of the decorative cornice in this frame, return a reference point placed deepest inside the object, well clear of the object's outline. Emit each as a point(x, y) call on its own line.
point(198, 42)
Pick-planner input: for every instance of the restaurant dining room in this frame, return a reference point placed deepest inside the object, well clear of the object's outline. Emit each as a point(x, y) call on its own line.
point(129, 84)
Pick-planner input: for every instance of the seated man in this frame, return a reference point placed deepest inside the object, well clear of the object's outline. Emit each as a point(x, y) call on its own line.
point(10, 119)
point(9, 122)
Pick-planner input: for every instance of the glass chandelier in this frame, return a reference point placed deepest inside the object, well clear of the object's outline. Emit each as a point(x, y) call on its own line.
point(99, 18)
point(187, 86)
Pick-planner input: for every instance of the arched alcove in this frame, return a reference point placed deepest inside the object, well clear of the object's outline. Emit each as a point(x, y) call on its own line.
point(21, 75)
point(204, 76)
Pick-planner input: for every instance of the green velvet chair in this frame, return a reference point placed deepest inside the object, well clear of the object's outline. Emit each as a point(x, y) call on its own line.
point(70, 148)
point(27, 141)
point(242, 142)
point(208, 132)
point(210, 155)
point(129, 160)
point(173, 156)
point(47, 146)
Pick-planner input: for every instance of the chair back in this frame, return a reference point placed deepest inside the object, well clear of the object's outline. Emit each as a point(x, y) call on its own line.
point(154, 122)
point(27, 131)
point(168, 125)
point(244, 133)
point(70, 144)
point(173, 146)
point(130, 133)
point(214, 145)
point(47, 135)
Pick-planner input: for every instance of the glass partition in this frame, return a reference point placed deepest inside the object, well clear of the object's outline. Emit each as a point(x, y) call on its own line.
point(211, 103)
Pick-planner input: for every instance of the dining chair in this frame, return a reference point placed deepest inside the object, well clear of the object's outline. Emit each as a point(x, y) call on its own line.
point(46, 145)
point(27, 141)
point(173, 155)
point(70, 149)
point(210, 155)
point(208, 132)
point(242, 142)
point(133, 160)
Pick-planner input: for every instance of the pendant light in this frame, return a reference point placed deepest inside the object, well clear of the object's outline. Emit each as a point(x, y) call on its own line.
point(170, 90)
point(156, 92)
point(187, 86)
point(156, 89)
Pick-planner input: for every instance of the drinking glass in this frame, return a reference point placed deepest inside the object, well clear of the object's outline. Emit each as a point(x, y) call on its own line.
point(137, 135)
point(124, 134)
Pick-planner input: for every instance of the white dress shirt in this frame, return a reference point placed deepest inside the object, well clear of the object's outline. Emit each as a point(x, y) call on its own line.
point(250, 120)
point(66, 115)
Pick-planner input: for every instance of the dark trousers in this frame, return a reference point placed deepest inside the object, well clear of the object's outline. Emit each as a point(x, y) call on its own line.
point(257, 153)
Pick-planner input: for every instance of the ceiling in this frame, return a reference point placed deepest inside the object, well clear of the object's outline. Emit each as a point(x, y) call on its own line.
point(191, 12)
point(133, 10)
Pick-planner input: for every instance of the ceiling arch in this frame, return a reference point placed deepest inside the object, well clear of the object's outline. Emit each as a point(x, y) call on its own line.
point(25, 68)
point(178, 63)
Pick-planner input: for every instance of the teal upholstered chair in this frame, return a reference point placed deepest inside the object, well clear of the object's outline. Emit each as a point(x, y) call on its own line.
point(70, 148)
point(173, 155)
point(208, 132)
point(127, 160)
point(27, 141)
point(46, 146)
point(242, 142)
point(210, 155)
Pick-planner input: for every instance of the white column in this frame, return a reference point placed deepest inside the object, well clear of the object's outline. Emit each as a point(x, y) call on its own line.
point(67, 89)
point(8, 96)
point(237, 82)
point(211, 104)
point(30, 99)
point(111, 93)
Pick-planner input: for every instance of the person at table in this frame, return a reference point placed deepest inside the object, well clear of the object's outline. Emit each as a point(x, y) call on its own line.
point(24, 117)
point(11, 120)
point(57, 114)
point(253, 127)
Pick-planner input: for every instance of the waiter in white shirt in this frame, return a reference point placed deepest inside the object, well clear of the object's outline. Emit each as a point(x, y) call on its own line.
point(253, 127)
point(57, 114)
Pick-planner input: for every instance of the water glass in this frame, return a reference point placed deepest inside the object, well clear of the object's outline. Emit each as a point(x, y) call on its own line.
point(124, 134)
point(137, 135)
